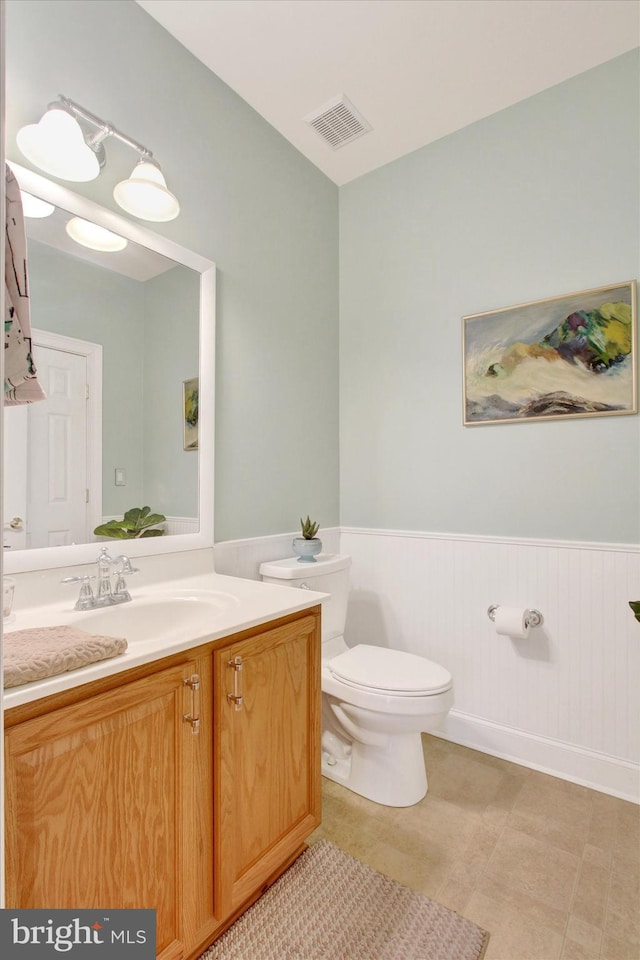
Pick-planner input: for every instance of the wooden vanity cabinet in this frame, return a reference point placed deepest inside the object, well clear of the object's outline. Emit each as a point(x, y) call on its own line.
point(106, 806)
point(267, 748)
point(152, 788)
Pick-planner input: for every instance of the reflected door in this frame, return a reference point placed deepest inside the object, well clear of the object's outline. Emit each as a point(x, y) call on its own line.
point(57, 504)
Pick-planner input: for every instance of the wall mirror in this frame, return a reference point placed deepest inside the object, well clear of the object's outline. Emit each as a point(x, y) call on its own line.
point(124, 347)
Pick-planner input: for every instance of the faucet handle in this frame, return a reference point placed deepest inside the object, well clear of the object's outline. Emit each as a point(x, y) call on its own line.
point(126, 569)
point(85, 599)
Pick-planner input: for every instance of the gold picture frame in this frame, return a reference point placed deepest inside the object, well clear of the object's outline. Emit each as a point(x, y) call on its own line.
point(190, 413)
point(564, 357)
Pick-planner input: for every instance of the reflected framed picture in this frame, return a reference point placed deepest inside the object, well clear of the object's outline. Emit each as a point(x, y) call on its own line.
point(190, 413)
point(564, 357)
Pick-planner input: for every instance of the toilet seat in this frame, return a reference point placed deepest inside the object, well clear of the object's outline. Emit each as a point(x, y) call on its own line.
point(389, 672)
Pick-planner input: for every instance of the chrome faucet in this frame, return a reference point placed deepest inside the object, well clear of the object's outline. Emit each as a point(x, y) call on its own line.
point(106, 594)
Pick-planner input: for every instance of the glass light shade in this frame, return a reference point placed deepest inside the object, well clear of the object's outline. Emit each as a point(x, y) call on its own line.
point(35, 207)
point(56, 145)
point(145, 194)
point(91, 235)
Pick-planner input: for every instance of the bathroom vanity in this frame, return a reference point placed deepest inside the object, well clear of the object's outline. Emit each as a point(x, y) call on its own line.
point(184, 780)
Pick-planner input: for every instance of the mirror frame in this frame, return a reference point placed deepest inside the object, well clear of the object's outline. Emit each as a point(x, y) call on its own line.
point(47, 558)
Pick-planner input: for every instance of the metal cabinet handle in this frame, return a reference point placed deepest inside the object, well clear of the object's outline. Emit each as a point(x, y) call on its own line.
point(236, 696)
point(193, 718)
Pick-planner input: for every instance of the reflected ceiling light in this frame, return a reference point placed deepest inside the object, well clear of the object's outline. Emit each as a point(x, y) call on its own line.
point(145, 193)
point(59, 144)
point(35, 207)
point(91, 235)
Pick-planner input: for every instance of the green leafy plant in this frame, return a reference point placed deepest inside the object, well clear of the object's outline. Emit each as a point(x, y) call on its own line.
point(309, 528)
point(135, 524)
point(635, 606)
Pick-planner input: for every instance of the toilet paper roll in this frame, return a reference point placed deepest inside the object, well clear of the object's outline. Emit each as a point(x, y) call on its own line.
point(512, 622)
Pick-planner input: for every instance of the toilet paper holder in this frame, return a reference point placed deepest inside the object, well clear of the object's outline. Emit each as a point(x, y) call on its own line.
point(533, 618)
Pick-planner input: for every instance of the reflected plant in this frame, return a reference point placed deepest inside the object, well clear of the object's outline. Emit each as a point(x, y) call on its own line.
point(635, 606)
point(135, 524)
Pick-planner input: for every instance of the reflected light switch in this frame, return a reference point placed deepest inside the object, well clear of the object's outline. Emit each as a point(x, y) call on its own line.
point(121, 477)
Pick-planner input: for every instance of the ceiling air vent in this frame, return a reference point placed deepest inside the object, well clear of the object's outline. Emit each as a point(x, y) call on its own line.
point(338, 122)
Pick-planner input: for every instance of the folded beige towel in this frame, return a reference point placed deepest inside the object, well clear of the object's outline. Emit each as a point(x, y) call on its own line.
point(41, 652)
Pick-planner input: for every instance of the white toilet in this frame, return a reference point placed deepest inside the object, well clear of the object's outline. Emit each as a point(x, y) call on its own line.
point(376, 701)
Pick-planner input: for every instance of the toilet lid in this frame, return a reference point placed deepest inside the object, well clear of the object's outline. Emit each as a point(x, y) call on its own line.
point(390, 671)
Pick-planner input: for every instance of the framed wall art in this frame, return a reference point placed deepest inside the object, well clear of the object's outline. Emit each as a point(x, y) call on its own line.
point(190, 413)
point(567, 356)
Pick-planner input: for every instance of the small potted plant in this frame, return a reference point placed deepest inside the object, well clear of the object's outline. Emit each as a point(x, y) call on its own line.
point(308, 545)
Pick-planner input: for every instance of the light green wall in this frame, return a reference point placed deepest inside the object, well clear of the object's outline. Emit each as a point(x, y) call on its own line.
point(106, 308)
point(535, 201)
point(538, 200)
point(170, 356)
point(251, 203)
point(149, 335)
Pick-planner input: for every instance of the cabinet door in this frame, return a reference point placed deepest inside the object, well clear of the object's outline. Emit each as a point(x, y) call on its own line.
point(108, 804)
point(267, 771)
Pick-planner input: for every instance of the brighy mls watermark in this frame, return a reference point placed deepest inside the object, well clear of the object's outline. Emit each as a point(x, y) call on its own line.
point(78, 934)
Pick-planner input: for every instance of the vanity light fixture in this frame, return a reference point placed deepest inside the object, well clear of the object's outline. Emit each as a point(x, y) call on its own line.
point(59, 145)
point(35, 207)
point(145, 193)
point(56, 144)
point(91, 235)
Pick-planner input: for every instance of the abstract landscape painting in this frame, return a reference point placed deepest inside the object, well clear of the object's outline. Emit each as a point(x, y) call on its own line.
point(190, 413)
point(568, 356)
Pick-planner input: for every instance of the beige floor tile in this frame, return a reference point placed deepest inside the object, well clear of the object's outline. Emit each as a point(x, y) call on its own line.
point(538, 869)
point(532, 910)
point(549, 868)
point(472, 862)
point(460, 779)
point(437, 831)
point(599, 856)
point(576, 951)
point(512, 936)
point(567, 835)
point(616, 949)
point(626, 844)
point(455, 893)
point(551, 799)
point(584, 933)
point(623, 909)
point(419, 873)
point(590, 900)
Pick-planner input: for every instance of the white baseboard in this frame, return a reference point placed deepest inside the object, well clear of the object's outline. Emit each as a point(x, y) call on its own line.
point(611, 775)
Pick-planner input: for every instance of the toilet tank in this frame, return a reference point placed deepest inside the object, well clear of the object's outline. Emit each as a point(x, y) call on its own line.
point(329, 574)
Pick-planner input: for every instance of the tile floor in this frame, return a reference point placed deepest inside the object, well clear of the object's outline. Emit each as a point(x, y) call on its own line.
point(550, 868)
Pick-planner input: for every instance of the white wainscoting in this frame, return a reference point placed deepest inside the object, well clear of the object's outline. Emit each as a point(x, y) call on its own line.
point(175, 525)
point(567, 699)
point(242, 558)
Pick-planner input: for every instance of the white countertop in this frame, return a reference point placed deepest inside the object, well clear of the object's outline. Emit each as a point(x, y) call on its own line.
point(222, 605)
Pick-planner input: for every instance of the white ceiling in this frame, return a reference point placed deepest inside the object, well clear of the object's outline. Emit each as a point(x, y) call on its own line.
point(416, 70)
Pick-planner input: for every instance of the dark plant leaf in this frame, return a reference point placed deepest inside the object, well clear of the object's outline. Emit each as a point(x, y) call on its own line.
point(132, 524)
point(115, 532)
point(635, 606)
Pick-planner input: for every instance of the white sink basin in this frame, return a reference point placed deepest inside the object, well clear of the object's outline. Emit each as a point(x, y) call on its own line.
point(188, 615)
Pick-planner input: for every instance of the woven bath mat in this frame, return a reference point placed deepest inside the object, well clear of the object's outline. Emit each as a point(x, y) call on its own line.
point(330, 906)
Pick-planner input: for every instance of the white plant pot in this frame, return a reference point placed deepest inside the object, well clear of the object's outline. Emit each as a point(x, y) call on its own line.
point(306, 550)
